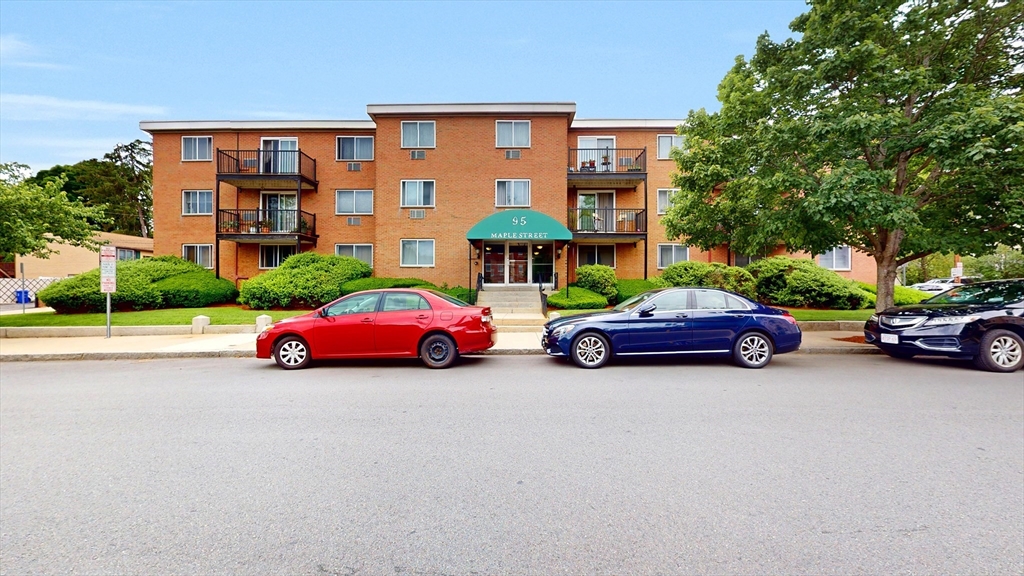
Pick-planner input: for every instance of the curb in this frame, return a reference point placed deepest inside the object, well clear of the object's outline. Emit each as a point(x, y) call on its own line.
point(839, 350)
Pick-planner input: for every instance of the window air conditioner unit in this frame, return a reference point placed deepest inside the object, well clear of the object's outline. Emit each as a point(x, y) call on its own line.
point(513, 154)
point(355, 166)
point(417, 154)
point(354, 220)
point(417, 214)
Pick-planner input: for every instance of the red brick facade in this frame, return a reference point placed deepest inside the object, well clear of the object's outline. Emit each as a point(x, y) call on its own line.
point(464, 164)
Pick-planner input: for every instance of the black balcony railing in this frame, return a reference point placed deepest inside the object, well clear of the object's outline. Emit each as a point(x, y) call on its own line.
point(266, 162)
point(605, 160)
point(608, 220)
point(236, 221)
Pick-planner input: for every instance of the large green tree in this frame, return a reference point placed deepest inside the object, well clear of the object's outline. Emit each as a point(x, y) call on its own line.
point(122, 182)
point(892, 126)
point(34, 216)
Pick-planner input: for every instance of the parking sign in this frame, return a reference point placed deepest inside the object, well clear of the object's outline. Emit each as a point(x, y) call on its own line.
point(108, 269)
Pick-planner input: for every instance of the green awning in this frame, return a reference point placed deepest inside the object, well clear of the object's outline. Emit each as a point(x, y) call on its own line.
point(519, 225)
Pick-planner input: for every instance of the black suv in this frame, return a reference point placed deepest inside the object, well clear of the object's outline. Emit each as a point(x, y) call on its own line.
point(983, 322)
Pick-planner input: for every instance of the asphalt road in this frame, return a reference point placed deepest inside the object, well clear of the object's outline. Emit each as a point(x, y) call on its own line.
point(511, 465)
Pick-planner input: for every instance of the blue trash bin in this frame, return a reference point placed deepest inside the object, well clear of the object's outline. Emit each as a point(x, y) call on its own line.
point(21, 297)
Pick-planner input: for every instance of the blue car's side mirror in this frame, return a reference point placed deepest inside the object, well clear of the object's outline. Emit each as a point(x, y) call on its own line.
point(648, 310)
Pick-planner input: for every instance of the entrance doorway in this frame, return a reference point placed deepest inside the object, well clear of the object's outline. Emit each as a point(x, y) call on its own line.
point(516, 263)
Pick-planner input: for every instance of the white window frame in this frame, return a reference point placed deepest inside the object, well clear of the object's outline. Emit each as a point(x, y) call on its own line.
point(336, 246)
point(183, 203)
point(512, 181)
point(529, 133)
point(417, 240)
point(401, 195)
point(401, 134)
point(353, 213)
point(832, 266)
point(615, 254)
point(685, 248)
point(183, 159)
point(136, 255)
point(197, 247)
point(671, 146)
point(671, 192)
point(337, 149)
point(259, 256)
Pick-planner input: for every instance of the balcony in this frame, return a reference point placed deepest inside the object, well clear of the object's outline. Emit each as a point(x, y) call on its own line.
point(607, 167)
point(607, 223)
point(267, 169)
point(255, 226)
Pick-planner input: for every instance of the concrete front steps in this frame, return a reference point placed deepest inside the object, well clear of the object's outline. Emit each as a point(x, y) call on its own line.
point(524, 300)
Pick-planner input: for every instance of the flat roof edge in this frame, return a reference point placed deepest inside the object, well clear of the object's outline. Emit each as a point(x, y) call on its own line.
point(667, 124)
point(179, 125)
point(475, 108)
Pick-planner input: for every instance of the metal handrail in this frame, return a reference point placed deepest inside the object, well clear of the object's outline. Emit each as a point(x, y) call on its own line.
point(608, 220)
point(266, 162)
point(264, 221)
point(607, 160)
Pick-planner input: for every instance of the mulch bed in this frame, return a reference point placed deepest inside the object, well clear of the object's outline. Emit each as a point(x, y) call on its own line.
point(856, 339)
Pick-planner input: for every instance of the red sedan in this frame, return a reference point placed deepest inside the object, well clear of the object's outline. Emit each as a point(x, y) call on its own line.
point(394, 323)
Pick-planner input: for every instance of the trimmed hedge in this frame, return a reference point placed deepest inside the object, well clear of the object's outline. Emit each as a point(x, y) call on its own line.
point(141, 284)
point(784, 281)
point(195, 290)
point(303, 280)
point(714, 275)
point(902, 295)
point(377, 283)
point(577, 299)
point(598, 278)
point(628, 288)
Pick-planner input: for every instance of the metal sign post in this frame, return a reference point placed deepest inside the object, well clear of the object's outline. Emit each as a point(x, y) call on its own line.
point(108, 276)
point(24, 294)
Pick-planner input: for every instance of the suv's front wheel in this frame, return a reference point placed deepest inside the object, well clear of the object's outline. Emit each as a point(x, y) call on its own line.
point(1001, 351)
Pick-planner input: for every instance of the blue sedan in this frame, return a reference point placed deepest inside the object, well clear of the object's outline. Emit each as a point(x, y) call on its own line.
point(697, 321)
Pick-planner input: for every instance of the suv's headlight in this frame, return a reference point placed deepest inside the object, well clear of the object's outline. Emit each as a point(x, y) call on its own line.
point(950, 320)
point(562, 330)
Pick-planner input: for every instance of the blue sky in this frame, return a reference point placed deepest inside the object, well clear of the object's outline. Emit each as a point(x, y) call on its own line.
point(76, 78)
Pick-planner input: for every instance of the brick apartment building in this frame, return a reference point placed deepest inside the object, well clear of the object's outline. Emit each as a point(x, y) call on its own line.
point(514, 192)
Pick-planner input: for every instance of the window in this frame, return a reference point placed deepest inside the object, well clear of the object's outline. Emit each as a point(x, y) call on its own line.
point(398, 301)
point(354, 202)
point(666, 142)
point(669, 254)
point(714, 300)
point(201, 254)
point(744, 261)
point(126, 254)
point(418, 134)
point(355, 148)
point(355, 304)
point(837, 258)
point(195, 202)
point(673, 301)
point(196, 148)
point(417, 193)
point(272, 255)
point(512, 193)
point(362, 252)
point(513, 133)
point(417, 253)
point(596, 254)
point(665, 199)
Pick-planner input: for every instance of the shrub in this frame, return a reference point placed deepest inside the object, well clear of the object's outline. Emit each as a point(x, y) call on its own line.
point(577, 299)
point(361, 284)
point(902, 296)
point(715, 275)
point(136, 286)
point(629, 288)
point(597, 278)
point(785, 281)
point(195, 290)
point(659, 282)
point(307, 280)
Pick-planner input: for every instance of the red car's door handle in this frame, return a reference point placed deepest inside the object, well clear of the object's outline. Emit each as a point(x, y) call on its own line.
point(367, 320)
point(422, 317)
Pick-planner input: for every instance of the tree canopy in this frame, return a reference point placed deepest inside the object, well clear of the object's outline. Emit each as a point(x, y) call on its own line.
point(122, 182)
point(890, 126)
point(34, 215)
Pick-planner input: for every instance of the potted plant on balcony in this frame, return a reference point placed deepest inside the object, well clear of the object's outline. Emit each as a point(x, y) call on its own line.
point(266, 225)
point(302, 227)
point(229, 225)
point(593, 163)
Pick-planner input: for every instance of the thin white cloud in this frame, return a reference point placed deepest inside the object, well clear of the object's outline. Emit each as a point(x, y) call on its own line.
point(20, 54)
point(36, 107)
point(72, 149)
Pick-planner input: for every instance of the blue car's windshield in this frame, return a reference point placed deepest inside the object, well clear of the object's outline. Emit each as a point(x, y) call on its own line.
point(635, 301)
point(996, 293)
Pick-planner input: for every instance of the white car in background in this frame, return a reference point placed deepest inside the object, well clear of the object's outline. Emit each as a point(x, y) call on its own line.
point(935, 285)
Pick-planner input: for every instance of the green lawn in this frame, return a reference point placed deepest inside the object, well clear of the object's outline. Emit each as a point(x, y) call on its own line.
point(798, 313)
point(169, 317)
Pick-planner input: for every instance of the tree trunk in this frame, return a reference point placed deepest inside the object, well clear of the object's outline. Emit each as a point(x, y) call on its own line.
point(885, 281)
point(142, 222)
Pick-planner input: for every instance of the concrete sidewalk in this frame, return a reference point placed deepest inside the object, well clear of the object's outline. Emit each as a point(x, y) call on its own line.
point(244, 346)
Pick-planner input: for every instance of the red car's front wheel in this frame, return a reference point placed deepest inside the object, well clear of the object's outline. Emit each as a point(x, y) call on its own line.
point(292, 353)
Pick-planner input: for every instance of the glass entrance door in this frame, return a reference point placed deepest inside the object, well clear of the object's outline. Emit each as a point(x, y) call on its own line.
point(494, 263)
point(518, 263)
point(543, 265)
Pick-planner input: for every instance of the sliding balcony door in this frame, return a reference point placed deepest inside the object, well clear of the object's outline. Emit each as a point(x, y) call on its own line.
point(280, 155)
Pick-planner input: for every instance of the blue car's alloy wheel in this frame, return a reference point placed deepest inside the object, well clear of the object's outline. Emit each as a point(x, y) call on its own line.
point(590, 350)
point(752, 350)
